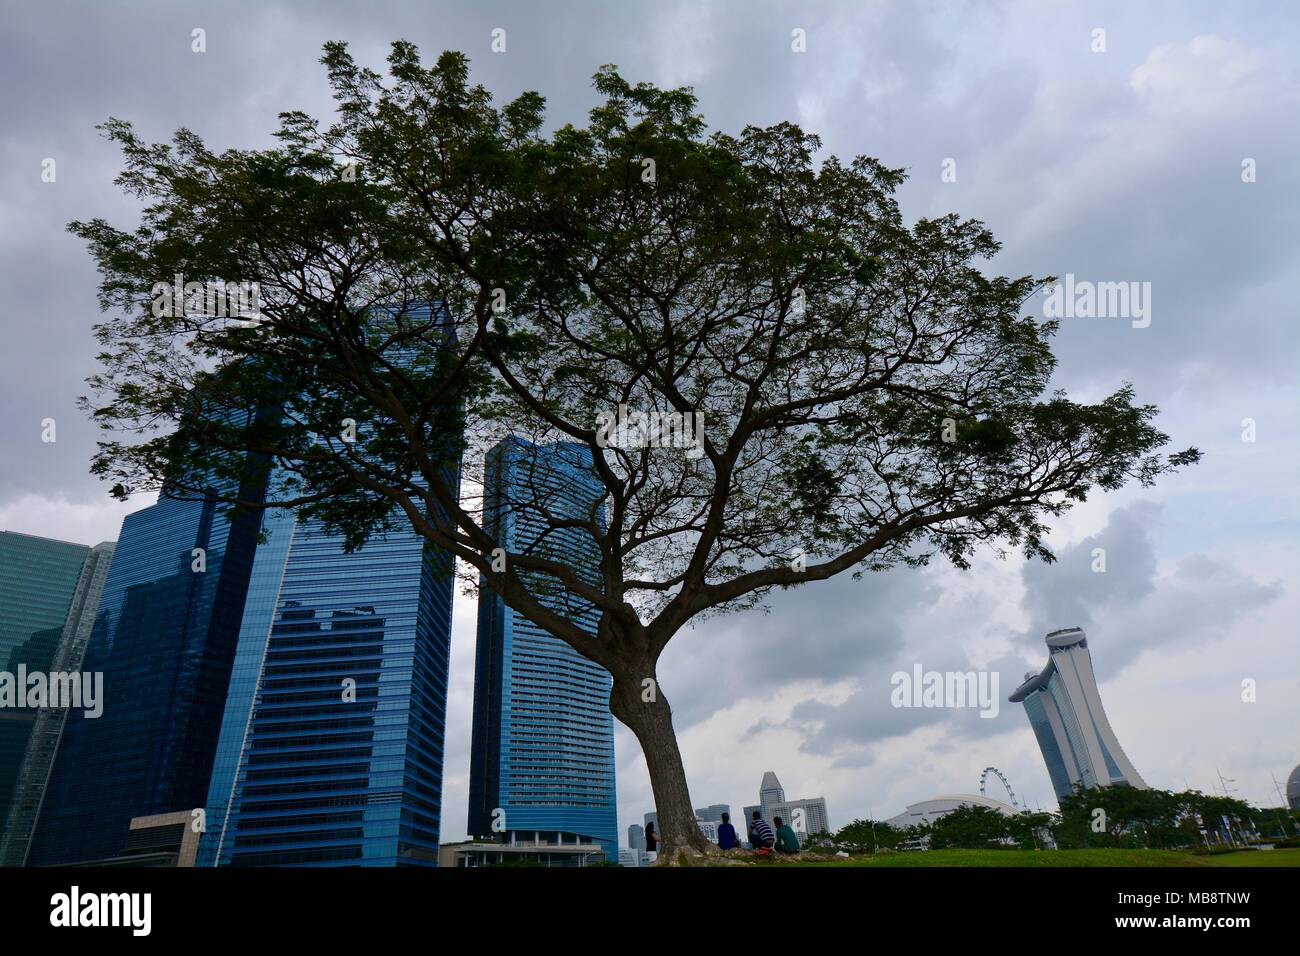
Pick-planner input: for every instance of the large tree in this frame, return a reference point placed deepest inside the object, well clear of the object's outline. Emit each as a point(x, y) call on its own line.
point(868, 397)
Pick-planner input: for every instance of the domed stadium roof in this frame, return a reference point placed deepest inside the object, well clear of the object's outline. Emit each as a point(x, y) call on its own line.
point(927, 811)
point(1293, 789)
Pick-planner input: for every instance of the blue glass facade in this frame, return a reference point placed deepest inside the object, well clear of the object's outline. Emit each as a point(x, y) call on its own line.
point(307, 773)
point(542, 751)
point(38, 579)
point(164, 638)
point(1042, 727)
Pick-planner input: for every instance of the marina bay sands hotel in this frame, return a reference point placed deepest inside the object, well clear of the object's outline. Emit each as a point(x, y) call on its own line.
point(1065, 713)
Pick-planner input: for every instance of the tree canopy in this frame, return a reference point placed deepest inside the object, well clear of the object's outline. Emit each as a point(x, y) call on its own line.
point(837, 390)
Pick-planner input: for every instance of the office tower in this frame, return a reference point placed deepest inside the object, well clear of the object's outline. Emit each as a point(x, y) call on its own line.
point(331, 745)
point(39, 580)
point(33, 577)
point(1065, 712)
point(770, 791)
point(652, 818)
point(636, 837)
point(542, 750)
point(164, 639)
point(806, 816)
point(713, 813)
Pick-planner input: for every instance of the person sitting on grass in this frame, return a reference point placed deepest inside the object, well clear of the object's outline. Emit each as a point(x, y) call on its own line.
point(786, 840)
point(726, 834)
point(761, 837)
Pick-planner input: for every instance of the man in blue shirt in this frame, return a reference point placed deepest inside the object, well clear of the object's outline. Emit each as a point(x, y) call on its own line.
point(726, 834)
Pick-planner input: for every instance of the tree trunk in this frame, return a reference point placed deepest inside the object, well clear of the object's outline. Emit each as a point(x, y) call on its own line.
point(645, 711)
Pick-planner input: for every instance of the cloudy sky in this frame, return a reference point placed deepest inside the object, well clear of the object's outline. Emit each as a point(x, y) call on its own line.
point(1116, 164)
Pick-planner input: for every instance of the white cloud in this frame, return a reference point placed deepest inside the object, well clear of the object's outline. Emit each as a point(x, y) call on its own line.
point(84, 521)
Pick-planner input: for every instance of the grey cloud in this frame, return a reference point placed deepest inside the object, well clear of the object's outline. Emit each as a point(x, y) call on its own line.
point(821, 631)
point(1128, 609)
point(1066, 593)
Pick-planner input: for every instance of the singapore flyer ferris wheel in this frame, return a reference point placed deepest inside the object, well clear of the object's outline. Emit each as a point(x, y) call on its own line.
point(984, 777)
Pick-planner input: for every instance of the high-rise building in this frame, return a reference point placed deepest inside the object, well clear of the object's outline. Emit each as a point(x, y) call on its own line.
point(164, 639)
point(636, 837)
point(1065, 713)
point(331, 743)
point(770, 791)
point(33, 577)
point(331, 746)
point(805, 816)
point(713, 813)
point(38, 578)
point(47, 591)
point(542, 752)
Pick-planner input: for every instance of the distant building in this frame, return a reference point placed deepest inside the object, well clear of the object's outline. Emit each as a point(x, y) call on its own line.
point(709, 828)
point(770, 791)
point(539, 852)
point(805, 816)
point(927, 811)
point(49, 595)
point(1065, 712)
point(636, 837)
point(714, 812)
point(1293, 789)
point(632, 857)
point(652, 818)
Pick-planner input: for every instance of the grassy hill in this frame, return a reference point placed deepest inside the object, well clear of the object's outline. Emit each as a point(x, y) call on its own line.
point(1108, 857)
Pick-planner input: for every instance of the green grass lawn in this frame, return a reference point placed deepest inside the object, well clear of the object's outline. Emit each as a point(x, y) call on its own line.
point(1059, 858)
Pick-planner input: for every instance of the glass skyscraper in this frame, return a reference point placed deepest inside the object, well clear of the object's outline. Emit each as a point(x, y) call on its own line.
point(1065, 713)
point(34, 573)
point(164, 639)
point(39, 580)
point(542, 750)
point(331, 747)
